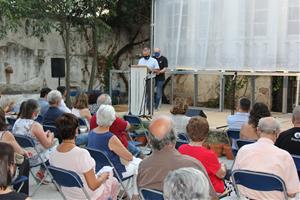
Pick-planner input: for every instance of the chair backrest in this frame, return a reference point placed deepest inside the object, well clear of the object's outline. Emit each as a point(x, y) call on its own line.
point(233, 134)
point(297, 163)
point(102, 160)
point(24, 141)
point(149, 194)
point(241, 142)
point(183, 136)
point(82, 122)
point(195, 111)
point(133, 120)
point(180, 142)
point(258, 181)
point(11, 121)
point(65, 178)
point(39, 119)
point(52, 129)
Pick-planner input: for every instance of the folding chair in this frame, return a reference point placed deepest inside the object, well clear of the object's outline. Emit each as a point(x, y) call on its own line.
point(141, 130)
point(18, 180)
point(39, 119)
point(180, 142)
point(297, 163)
point(102, 160)
point(27, 142)
point(183, 136)
point(66, 178)
point(258, 181)
point(241, 142)
point(233, 135)
point(11, 121)
point(83, 127)
point(149, 194)
point(52, 129)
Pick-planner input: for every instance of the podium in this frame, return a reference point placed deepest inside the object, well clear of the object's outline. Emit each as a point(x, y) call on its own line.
point(141, 92)
point(138, 74)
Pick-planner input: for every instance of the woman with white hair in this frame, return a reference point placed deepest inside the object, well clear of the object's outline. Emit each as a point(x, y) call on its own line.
point(101, 138)
point(186, 184)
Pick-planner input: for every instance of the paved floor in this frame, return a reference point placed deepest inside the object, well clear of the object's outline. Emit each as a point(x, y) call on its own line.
point(215, 119)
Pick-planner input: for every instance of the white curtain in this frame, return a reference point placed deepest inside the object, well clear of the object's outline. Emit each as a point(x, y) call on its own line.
point(259, 35)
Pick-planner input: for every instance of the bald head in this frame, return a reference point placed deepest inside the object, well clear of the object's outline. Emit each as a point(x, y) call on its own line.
point(268, 125)
point(161, 133)
point(160, 126)
point(296, 115)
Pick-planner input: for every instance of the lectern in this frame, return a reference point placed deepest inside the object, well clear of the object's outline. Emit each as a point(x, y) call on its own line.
point(138, 74)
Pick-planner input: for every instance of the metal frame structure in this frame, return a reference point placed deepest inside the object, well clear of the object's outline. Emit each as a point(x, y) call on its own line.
point(222, 75)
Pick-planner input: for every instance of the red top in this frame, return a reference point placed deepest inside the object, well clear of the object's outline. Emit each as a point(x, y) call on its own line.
point(118, 128)
point(209, 160)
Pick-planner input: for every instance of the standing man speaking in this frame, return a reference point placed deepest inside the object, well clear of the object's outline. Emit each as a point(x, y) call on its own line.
point(153, 67)
point(160, 75)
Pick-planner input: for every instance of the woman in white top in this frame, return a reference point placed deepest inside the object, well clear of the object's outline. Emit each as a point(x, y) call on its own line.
point(26, 125)
point(81, 107)
point(178, 115)
point(70, 157)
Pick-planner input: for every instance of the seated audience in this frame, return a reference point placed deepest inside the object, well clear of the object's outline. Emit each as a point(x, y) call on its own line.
point(178, 115)
point(118, 127)
point(21, 109)
point(186, 184)
point(249, 130)
point(26, 125)
point(8, 171)
point(236, 121)
point(197, 130)
point(289, 140)
point(62, 105)
point(164, 158)
point(81, 109)
point(264, 156)
point(44, 105)
point(70, 157)
point(8, 137)
point(54, 98)
point(101, 138)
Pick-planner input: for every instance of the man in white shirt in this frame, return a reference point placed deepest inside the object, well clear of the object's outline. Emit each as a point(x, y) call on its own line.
point(62, 106)
point(236, 121)
point(153, 67)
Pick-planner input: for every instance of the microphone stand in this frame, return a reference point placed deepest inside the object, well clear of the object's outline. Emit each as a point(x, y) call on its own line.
point(233, 93)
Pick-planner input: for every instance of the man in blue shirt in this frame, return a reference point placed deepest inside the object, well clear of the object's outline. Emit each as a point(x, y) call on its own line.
point(153, 67)
point(236, 121)
point(44, 105)
point(54, 99)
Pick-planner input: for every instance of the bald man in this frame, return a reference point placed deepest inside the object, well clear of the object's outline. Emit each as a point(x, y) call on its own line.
point(164, 158)
point(160, 75)
point(264, 156)
point(289, 140)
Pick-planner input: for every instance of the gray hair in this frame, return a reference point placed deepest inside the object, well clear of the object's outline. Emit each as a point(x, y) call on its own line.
point(296, 113)
point(54, 96)
point(186, 184)
point(106, 115)
point(104, 99)
point(169, 138)
point(268, 125)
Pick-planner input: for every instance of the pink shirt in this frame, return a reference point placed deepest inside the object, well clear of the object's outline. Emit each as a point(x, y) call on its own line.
point(264, 156)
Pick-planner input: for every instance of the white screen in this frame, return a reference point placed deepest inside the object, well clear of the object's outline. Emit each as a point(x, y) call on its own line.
point(259, 35)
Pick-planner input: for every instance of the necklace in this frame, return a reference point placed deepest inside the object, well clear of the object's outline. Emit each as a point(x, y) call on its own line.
point(68, 142)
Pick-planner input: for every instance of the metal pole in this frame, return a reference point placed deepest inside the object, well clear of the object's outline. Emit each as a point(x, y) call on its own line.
point(152, 25)
point(222, 92)
point(195, 89)
point(110, 83)
point(297, 91)
point(172, 89)
point(284, 94)
point(253, 89)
